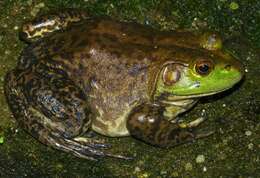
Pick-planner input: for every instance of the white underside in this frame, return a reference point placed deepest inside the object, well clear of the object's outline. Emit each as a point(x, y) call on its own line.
point(117, 128)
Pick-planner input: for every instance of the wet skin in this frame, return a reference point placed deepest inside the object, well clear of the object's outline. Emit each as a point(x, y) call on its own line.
point(117, 78)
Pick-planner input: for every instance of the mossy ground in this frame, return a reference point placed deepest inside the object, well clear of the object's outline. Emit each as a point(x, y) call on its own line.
point(234, 151)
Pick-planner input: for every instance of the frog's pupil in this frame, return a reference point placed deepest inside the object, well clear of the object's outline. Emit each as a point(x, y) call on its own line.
point(204, 68)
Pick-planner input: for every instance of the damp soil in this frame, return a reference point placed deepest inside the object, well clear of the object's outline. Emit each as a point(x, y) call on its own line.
point(234, 149)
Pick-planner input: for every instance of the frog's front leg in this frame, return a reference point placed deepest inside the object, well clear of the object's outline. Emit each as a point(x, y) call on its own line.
point(54, 110)
point(46, 24)
point(146, 122)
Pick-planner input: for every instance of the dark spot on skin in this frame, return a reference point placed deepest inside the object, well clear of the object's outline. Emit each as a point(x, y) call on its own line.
point(55, 48)
point(31, 33)
point(84, 56)
point(63, 16)
point(116, 54)
point(87, 88)
point(81, 95)
point(27, 58)
point(81, 67)
point(35, 130)
point(68, 125)
point(102, 45)
point(174, 133)
point(82, 43)
point(136, 69)
point(74, 39)
point(67, 55)
point(58, 44)
point(110, 37)
point(228, 67)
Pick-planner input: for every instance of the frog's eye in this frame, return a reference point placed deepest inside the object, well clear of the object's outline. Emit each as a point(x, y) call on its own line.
point(171, 74)
point(203, 67)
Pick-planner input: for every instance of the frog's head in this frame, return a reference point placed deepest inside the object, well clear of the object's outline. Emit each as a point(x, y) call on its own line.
point(202, 73)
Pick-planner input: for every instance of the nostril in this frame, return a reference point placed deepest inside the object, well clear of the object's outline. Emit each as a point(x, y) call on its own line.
point(228, 67)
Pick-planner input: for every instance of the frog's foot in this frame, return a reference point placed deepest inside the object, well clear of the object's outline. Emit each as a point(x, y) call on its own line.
point(99, 144)
point(146, 122)
point(94, 143)
point(82, 148)
point(196, 123)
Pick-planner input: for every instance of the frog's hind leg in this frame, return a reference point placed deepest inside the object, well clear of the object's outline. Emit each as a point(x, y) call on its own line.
point(46, 24)
point(53, 110)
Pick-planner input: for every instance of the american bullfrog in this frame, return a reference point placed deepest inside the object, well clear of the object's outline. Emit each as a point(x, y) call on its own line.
point(81, 73)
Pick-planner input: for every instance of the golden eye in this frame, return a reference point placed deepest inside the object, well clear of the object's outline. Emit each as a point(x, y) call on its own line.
point(171, 75)
point(203, 67)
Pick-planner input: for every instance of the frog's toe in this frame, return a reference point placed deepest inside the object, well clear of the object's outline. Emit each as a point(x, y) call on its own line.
point(92, 143)
point(203, 134)
point(82, 150)
point(119, 156)
point(193, 123)
point(94, 152)
point(91, 150)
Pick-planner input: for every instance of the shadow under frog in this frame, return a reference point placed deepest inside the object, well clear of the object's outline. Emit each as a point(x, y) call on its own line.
point(117, 78)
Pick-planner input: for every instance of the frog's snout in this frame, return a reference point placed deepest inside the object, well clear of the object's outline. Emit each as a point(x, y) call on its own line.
point(236, 68)
point(240, 68)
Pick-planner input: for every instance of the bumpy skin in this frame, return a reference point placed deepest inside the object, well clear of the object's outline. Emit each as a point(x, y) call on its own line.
point(103, 74)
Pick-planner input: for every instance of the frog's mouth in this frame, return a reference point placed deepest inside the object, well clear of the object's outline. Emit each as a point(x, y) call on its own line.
point(169, 98)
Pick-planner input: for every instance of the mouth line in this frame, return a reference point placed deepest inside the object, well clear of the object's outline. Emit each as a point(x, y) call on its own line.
point(174, 98)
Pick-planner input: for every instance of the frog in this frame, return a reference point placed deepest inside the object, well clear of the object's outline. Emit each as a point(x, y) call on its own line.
point(81, 73)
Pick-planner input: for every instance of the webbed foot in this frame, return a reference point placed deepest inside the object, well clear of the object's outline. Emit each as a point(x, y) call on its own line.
point(84, 148)
point(147, 123)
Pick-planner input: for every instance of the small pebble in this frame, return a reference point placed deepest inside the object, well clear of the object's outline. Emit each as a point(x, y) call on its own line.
point(143, 175)
point(7, 52)
point(16, 27)
point(203, 112)
point(40, 5)
point(250, 146)
point(233, 6)
point(1, 139)
point(188, 167)
point(204, 169)
point(225, 141)
point(248, 133)
point(200, 159)
point(163, 172)
point(137, 169)
point(37, 8)
point(29, 2)
point(175, 174)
